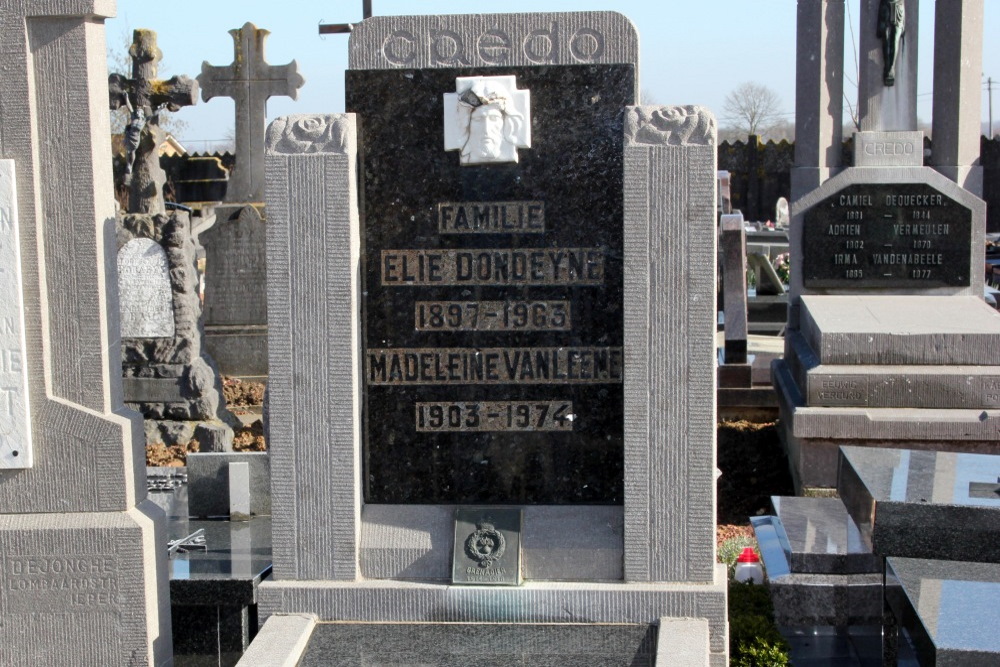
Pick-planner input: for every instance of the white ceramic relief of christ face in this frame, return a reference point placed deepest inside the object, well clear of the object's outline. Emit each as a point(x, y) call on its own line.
point(487, 119)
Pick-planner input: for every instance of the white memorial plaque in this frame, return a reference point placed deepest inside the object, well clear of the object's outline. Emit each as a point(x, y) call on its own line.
point(145, 297)
point(487, 119)
point(15, 419)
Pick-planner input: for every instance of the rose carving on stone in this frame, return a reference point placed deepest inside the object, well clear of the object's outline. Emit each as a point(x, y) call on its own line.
point(672, 126)
point(308, 134)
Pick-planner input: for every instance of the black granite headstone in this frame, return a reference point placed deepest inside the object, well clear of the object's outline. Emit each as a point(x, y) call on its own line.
point(906, 235)
point(493, 317)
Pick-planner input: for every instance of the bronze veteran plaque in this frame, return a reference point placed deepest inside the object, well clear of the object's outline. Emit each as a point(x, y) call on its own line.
point(487, 547)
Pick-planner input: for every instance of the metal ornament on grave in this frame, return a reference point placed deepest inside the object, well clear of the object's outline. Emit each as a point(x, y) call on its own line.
point(249, 81)
point(144, 96)
point(487, 549)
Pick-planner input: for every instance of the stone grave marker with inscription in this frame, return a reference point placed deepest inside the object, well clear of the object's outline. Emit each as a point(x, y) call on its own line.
point(887, 255)
point(236, 274)
point(15, 417)
point(487, 337)
point(83, 577)
point(167, 376)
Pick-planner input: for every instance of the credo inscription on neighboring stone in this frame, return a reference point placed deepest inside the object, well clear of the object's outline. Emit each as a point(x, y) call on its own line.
point(487, 119)
point(146, 299)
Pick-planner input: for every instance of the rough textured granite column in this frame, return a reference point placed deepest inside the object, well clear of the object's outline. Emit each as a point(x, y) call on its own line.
point(958, 67)
point(670, 165)
point(819, 93)
point(884, 108)
point(83, 503)
point(313, 338)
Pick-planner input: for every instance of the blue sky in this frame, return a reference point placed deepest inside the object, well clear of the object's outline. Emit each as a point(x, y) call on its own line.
point(691, 52)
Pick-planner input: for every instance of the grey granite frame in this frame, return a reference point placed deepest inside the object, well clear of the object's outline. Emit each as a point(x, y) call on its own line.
point(338, 558)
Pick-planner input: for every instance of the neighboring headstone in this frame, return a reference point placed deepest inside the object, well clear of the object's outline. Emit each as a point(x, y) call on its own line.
point(734, 280)
point(235, 291)
point(15, 416)
point(236, 278)
point(84, 578)
point(781, 213)
point(167, 377)
point(538, 335)
point(897, 242)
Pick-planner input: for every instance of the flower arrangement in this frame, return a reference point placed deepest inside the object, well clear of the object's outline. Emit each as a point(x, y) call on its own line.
point(783, 266)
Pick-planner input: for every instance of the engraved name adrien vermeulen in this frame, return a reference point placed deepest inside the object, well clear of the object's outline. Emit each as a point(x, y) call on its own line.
point(920, 225)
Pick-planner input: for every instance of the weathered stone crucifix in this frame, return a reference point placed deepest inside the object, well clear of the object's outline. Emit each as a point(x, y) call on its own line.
point(145, 96)
point(249, 81)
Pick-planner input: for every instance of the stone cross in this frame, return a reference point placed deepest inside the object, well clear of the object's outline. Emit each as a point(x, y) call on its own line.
point(144, 96)
point(249, 81)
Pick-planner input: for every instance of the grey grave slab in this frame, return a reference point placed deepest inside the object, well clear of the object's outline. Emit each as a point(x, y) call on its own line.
point(452, 645)
point(924, 504)
point(891, 329)
point(734, 278)
point(948, 609)
point(822, 537)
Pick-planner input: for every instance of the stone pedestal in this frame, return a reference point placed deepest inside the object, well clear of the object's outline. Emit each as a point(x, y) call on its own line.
point(887, 371)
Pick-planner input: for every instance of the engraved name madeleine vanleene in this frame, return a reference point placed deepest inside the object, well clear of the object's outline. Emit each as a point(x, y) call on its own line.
point(487, 119)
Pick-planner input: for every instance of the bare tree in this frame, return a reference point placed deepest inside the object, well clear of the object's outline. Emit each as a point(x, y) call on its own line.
point(752, 108)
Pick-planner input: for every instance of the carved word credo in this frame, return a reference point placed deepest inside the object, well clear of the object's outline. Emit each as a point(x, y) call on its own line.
point(493, 46)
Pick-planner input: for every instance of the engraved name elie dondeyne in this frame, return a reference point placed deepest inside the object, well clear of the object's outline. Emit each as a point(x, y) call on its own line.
point(493, 275)
point(892, 235)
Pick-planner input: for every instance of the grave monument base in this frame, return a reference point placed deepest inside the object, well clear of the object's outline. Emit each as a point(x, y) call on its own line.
point(86, 585)
point(887, 371)
point(698, 611)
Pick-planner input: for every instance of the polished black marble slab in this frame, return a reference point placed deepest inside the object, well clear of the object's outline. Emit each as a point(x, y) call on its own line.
point(822, 538)
point(948, 609)
point(877, 235)
point(463, 644)
point(213, 592)
point(237, 559)
point(923, 504)
point(483, 387)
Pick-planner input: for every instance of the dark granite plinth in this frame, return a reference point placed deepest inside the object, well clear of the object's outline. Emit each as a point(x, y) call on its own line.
point(213, 592)
point(947, 609)
point(542, 423)
point(822, 538)
point(462, 644)
point(804, 598)
point(923, 504)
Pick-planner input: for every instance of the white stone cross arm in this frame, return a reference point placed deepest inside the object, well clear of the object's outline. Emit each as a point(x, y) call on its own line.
point(249, 80)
